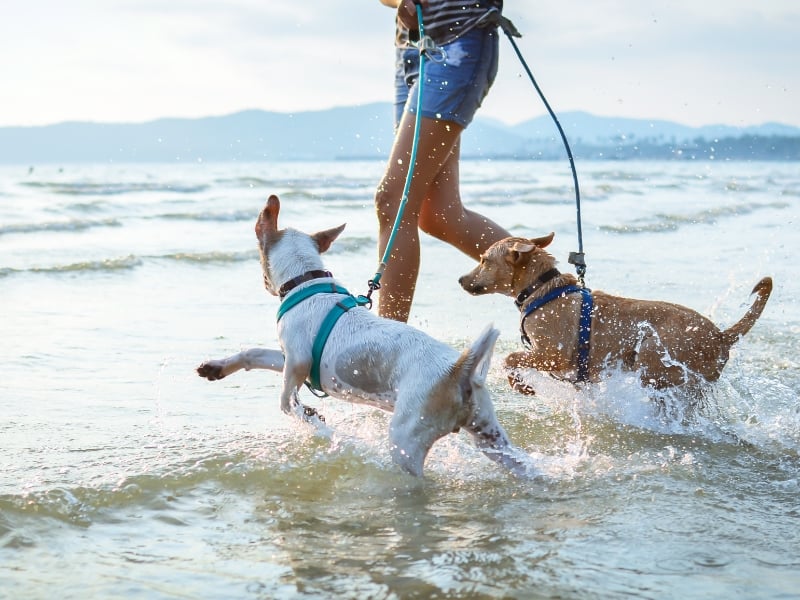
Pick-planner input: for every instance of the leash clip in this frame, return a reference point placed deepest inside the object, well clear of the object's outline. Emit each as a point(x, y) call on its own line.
point(494, 17)
point(428, 47)
point(579, 260)
point(373, 285)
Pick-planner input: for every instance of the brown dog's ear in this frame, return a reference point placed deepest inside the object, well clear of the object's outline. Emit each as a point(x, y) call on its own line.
point(268, 218)
point(514, 255)
point(324, 239)
point(522, 247)
point(544, 241)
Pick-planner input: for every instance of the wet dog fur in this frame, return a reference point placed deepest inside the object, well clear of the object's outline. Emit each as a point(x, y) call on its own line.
point(669, 345)
point(430, 388)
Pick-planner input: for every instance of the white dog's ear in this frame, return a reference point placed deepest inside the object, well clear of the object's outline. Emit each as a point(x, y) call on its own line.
point(268, 218)
point(324, 239)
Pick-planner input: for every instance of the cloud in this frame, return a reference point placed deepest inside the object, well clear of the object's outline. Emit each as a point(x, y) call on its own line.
point(692, 62)
point(116, 60)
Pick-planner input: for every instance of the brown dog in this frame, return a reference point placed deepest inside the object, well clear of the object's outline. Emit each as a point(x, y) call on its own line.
point(668, 344)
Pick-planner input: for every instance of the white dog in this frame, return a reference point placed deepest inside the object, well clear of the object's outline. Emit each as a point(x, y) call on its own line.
point(430, 388)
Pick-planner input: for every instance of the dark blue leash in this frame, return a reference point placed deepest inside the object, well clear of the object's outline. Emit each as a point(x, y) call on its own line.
point(584, 327)
point(575, 258)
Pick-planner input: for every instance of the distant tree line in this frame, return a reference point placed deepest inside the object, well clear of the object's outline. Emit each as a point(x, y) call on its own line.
point(746, 147)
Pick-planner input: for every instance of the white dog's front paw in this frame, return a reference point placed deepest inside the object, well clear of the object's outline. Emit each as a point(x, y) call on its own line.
point(312, 416)
point(211, 370)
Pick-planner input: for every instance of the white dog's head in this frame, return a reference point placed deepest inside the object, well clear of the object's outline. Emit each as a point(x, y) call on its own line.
point(287, 253)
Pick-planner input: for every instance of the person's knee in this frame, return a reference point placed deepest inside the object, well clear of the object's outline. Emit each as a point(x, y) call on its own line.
point(388, 202)
point(442, 223)
point(432, 226)
point(385, 206)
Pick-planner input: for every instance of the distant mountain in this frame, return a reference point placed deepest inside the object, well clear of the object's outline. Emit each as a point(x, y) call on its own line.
point(248, 135)
point(584, 127)
point(365, 132)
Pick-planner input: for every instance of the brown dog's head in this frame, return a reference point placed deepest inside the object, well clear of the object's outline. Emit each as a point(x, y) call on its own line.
point(508, 266)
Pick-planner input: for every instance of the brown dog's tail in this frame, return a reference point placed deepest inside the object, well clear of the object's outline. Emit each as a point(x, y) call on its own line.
point(763, 289)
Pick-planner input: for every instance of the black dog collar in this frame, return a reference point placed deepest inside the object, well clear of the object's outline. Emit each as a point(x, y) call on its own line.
point(307, 276)
point(540, 281)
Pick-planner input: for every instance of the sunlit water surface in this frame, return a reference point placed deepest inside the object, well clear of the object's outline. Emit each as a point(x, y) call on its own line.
point(123, 474)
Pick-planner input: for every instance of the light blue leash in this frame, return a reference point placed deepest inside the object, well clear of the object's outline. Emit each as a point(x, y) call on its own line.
point(350, 301)
point(424, 47)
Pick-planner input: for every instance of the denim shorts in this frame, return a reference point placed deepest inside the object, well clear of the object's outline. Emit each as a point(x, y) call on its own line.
point(455, 87)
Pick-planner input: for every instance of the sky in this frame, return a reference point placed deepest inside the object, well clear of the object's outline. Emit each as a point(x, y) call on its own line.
point(695, 62)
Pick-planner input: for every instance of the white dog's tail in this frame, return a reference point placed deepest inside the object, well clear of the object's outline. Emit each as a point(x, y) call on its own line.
point(482, 424)
point(479, 355)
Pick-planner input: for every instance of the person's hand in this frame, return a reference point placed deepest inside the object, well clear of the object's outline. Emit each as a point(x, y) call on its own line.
point(407, 13)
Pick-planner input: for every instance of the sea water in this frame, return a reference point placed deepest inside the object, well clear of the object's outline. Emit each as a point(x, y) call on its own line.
point(124, 474)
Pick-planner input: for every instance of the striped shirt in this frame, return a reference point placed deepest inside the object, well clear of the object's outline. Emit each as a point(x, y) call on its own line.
point(445, 20)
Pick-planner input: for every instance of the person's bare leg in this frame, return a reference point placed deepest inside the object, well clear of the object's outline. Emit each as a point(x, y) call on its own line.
point(443, 216)
point(436, 140)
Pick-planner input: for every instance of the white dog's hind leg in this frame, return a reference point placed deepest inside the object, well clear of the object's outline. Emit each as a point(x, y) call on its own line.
point(254, 358)
point(411, 438)
point(493, 441)
point(486, 431)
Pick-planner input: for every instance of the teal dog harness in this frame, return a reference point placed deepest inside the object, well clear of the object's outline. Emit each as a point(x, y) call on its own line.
point(341, 307)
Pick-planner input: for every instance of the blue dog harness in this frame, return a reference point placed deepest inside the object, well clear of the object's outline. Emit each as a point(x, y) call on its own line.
point(584, 327)
point(332, 317)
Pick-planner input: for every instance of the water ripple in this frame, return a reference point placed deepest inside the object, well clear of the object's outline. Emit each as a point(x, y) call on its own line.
point(661, 222)
point(113, 188)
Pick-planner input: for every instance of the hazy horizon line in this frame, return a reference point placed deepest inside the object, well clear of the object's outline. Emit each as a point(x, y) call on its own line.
point(479, 117)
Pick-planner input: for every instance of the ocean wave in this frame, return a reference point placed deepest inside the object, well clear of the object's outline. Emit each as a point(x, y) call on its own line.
point(738, 186)
point(540, 196)
point(230, 216)
point(109, 264)
point(661, 222)
point(87, 206)
point(791, 192)
point(311, 188)
point(112, 188)
point(211, 257)
point(248, 462)
point(598, 432)
point(331, 194)
point(353, 244)
point(745, 407)
point(69, 225)
point(131, 261)
point(81, 505)
point(628, 175)
point(245, 181)
point(609, 189)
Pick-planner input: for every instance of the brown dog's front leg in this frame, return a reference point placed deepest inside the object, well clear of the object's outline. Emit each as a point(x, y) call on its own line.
point(514, 363)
